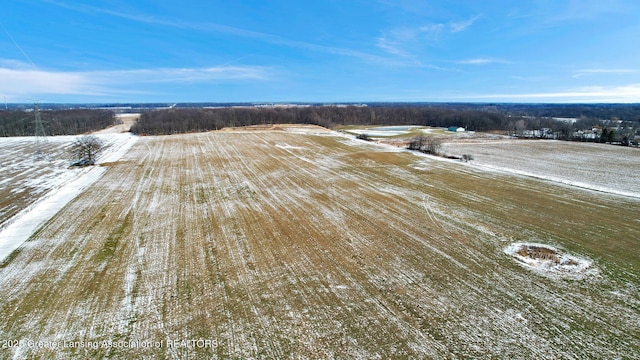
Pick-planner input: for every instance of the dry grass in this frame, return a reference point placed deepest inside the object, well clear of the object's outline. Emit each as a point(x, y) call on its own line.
point(280, 245)
point(538, 252)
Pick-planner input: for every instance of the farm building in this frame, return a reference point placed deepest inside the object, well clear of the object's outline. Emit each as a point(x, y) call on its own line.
point(455, 129)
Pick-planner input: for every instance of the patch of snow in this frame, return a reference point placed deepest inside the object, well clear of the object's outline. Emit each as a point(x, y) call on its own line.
point(396, 128)
point(558, 263)
point(384, 131)
point(287, 146)
point(378, 133)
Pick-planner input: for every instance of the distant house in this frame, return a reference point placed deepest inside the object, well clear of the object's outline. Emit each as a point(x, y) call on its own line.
point(544, 133)
point(593, 134)
point(455, 129)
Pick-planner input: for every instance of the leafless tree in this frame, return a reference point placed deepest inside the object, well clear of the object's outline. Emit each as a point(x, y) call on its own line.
point(426, 144)
point(434, 145)
point(85, 150)
point(416, 143)
point(521, 126)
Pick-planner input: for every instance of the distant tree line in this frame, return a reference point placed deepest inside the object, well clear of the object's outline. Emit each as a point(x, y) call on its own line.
point(625, 112)
point(611, 123)
point(55, 122)
point(471, 117)
point(172, 121)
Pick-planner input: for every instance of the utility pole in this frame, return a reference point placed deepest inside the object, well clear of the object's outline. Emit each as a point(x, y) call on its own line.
point(40, 135)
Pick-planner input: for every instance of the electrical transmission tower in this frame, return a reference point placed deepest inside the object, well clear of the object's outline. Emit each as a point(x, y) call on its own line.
point(40, 135)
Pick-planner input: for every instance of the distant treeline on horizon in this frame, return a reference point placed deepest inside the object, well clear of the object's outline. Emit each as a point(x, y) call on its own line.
point(172, 121)
point(163, 118)
point(475, 117)
point(55, 122)
point(627, 112)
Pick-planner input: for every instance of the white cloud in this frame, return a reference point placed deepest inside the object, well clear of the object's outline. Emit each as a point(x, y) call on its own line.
point(15, 64)
point(531, 78)
point(181, 75)
point(483, 61)
point(432, 28)
point(463, 25)
point(18, 82)
point(390, 46)
point(24, 82)
point(583, 72)
point(396, 41)
point(590, 94)
point(432, 31)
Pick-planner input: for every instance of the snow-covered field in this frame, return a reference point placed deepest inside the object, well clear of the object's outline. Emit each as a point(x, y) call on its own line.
point(38, 187)
point(601, 167)
point(24, 177)
point(275, 244)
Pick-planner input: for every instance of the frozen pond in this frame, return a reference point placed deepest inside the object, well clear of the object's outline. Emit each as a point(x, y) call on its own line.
point(384, 131)
point(395, 128)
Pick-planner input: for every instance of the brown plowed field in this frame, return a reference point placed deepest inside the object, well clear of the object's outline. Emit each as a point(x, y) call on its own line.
point(271, 244)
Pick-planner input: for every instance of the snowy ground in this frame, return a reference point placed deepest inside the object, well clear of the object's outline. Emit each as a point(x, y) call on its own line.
point(273, 244)
point(126, 121)
point(384, 131)
point(24, 177)
point(50, 183)
point(601, 167)
point(558, 263)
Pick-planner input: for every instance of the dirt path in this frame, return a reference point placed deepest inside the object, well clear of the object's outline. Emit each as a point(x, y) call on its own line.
point(127, 122)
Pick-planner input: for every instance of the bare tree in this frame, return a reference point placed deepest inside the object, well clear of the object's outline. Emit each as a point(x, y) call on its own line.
point(467, 157)
point(521, 126)
point(426, 144)
point(416, 143)
point(434, 146)
point(85, 150)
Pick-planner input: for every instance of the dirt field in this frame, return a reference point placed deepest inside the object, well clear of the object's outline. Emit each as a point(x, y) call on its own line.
point(273, 244)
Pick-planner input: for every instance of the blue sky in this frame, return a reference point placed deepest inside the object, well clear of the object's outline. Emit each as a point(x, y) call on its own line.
point(320, 51)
